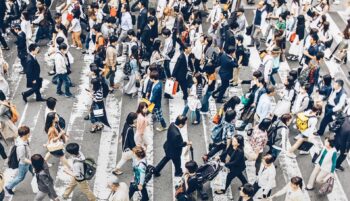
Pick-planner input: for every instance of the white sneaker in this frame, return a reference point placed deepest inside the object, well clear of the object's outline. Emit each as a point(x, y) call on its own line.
point(304, 152)
point(49, 165)
point(78, 48)
point(73, 46)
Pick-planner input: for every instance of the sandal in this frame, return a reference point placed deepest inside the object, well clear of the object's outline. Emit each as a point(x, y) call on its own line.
point(93, 129)
point(117, 172)
point(99, 127)
point(220, 192)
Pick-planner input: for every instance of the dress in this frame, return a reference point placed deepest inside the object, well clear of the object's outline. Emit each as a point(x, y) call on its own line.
point(283, 106)
point(130, 87)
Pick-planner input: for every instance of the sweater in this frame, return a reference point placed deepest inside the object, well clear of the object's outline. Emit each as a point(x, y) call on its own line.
point(327, 159)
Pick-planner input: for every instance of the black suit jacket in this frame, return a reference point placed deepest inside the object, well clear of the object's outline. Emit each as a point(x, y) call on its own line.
point(229, 39)
point(21, 43)
point(146, 35)
point(180, 70)
point(32, 71)
point(174, 143)
point(227, 66)
point(237, 161)
point(142, 19)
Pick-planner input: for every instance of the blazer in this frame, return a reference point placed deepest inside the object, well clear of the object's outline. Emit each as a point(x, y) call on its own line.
point(142, 19)
point(229, 39)
point(237, 161)
point(146, 36)
point(128, 141)
point(227, 66)
point(32, 71)
point(174, 142)
point(21, 43)
point(180, 70)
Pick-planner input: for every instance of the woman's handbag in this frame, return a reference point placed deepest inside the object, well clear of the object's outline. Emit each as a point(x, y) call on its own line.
point(150, 105)
point(34, 185)
point(98, 112)
point(217, 117)
point(249, 152)
point(315, 157)
point(55, 146)
point(292, 37)
point(327, 187)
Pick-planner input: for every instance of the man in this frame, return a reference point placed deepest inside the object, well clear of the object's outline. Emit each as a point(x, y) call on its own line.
point(34, 81)
point(23, 154)
point(266, 179)
point(77, 173)
point(146, 37)
point(260, 16)
point(239, 54)
point(246, 193)
point(119, 190)
point(228, 64)
point(61, 64)
point(183, 70)
point(142, 18)
point(154, 30)
point(241, 21)
point(156, 99)
point(230, 36)
point(173, 147)
point(125, 23)
point(336, 102)
point(21, 43)
point(311, 52)
point(264, 106)
point(168, 52)
point(111, 60)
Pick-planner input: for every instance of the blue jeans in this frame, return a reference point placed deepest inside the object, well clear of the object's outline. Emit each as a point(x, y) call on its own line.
point(198, 115)
point(63, 78)
point(272, 79)
point(22, 171)
point(205, 101)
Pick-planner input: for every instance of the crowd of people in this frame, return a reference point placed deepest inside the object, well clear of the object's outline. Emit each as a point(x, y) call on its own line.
point(203, 48)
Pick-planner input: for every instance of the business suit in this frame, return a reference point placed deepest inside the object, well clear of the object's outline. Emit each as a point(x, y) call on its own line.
point(22, 53)
point(173, 150)
point(33, 74)
point(2, 16)
point(141, 21)
point(146, 36)
point(229, 39)
point(181, 73)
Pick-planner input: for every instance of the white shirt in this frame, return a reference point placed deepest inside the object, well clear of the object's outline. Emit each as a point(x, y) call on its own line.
point(60, 63)
point(266, 180)
point(268, 62)
point(198, 48)
point(126, 21)
point(122, 193)
point(27, 29)
point(168, 46)
point(76, 27)
point(341, 102)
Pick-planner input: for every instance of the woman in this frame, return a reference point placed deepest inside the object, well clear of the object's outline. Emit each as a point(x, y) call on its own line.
point(304, 135)
point(236, 164)
point(139, 168)
point(296, 46)
point(295, 8)
point(44, 179)
point(128, 142)
point(325, 37)
point(142, 126)
point(98, 112)
point(56, 139)
point(276, 54)
point(325, 164)
point(278, 142)
point(293, 190)
point(287, 94)
point(75, 29)
point(130, 88)
point(196, 94)
point(258, 140)
point(157, 58)
point(26, 26)
point(210, 76)
point(8, 129)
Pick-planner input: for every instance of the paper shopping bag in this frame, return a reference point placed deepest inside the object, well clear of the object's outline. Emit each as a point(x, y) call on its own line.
point(169, 85)
point(176, 85)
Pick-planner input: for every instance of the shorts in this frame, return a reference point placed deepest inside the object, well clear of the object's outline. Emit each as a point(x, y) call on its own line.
point(57, 153)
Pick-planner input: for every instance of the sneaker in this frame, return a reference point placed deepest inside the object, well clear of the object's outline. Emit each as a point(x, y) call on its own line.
point(73, 46)
point(204, 113)
point(79, 48)
point(304, 152)
point(340, 168)
point(60, 93)
point(9, 191)
point(117, 172)
point(69, 95)
point(161, 129)
point(336, 2)
point(49, 164)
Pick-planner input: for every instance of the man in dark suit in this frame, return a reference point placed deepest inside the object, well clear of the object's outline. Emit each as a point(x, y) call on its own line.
point(183, 70)
point(142, 18)
point(230, 36)
point(21, 43)
point(146, 37)
point(154, 30)
point(34, 81)
point(228, 63)
point(2, 26)
point(173, 147)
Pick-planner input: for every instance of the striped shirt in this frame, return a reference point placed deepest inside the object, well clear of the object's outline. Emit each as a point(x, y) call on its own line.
point(98, 95)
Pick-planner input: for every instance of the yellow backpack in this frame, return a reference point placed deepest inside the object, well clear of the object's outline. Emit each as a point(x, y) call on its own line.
point(302, 122)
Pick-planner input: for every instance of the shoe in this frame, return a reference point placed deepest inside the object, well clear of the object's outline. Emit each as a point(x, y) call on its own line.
point(117, 172)
point(178, 174)
point(24, 97)
point(204, 113)
point(304, 152)
point(9, 191)
point(51, 73)
point(60, 93)
point(79, 48)
point(87, 117)
point(219, 101)
point(49, 164)
point(40, 100)
point(316, 134)
point(5, 48)
point(22, 72)
point(68, 95)
point(250, 45)
point(219, 192)
point(168, 96)
point(73, 46)
point(340, 168)
point(161, 129)
point(195, 123)
point(309, 189)
point(156, 174)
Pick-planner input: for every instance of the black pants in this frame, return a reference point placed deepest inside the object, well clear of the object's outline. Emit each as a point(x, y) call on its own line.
point(23, 59)
point(327, 118)
point(258, 163)
point(225, 83)
point(216, 148)
point(35, 89)
point(133, 188)
point(167, 68)
point(233, 174)
point(2, 195)
point(176, 161)
point(341, 157)
point(184, 86)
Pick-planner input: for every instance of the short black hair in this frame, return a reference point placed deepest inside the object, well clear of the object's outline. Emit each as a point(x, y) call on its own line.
point(32, 47)
point(152, 11)
point(23, 131)
point(63, 46)
point(257, 74)
point(166, 32)
point(191, 166)
point(265, 124)
point(113, 39)
point(154, 75)
point(150, 19)
point(51, 103)
point(73, 148)
point(240, 38)
point(231, 49)
point(180, 120)
point(340, 82)
point(59, 40)
point(131, 32)
point(270, 89)
point(248, 189)
point(230, 115)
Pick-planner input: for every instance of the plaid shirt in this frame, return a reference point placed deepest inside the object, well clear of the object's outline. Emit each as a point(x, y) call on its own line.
point(228, 129)
point(258, 140)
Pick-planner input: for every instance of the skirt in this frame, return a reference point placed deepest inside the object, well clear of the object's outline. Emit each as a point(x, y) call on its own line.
point(57, 153)
point(130, 87)
point(282, 107)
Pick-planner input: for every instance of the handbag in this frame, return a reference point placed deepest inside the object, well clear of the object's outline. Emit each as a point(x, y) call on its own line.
point(327, 187)
point(176, 86)
point(34, 184)
point(69, 17)
point(150, 105)
point(315, 157)
point(292, 37)
point(55, 146)
point(217, 116)
point(169, 86)
point(98, 112)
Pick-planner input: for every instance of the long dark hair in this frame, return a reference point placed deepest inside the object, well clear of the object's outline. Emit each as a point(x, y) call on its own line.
point(140, 108)
point(240, 141)
point(50, 118)
point(37, 162)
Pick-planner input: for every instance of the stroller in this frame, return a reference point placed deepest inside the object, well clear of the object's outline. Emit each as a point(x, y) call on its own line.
point(208, 171)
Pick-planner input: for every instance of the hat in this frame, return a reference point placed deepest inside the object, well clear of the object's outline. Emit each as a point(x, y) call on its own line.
point(17, 26)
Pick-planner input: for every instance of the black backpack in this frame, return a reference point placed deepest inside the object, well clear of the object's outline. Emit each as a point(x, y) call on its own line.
point(149, 172)
point(246, 57)
point(272, 132)
point(89, 168)
point(13, 160)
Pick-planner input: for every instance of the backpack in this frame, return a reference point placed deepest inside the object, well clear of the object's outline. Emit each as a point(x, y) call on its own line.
point(216, 59)
point(272, 133)
point(262, 67)
point(304, 76)
point(216, 133)
point(12, 159)
point(310, 103)
point(149, 172)
point(302, 122)
point(12, 112)
point(89, 168)
point(246, 56)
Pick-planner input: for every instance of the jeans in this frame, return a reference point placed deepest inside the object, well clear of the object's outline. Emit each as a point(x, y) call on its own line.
point(87, 41)
point(327, 118)
point(272, 79)
point(133, 188)
point(22, 171)
point(198, 115)
point(63, 78)
point(42, 33)
point(205, 101)
point(111, 76)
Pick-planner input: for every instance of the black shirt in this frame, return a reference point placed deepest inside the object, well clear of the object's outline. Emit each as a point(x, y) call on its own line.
point(239, 52)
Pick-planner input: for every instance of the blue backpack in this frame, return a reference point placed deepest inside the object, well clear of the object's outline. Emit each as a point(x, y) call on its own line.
point(217, 133)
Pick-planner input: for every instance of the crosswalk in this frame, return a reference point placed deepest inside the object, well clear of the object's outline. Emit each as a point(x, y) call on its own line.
point(105, 147)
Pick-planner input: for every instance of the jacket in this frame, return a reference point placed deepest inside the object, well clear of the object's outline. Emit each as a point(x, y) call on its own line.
point(45, 182)
point(229, 39)
point(174, 143)
point(22, 150)
point(128, 141)
point(180, 70)
point(122, 193)
point(156, 95)
point(227, 66)
point(142, 19)
point(32, 71)
point(146, 36)
point(342, 138)
point(237, 160)
point(266, 180)
point(21, 43)
point(61, 63)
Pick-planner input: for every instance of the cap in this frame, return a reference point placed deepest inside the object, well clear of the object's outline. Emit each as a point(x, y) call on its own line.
point(17, 26)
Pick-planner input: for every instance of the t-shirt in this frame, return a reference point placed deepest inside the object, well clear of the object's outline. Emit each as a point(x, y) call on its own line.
point(239, 52)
